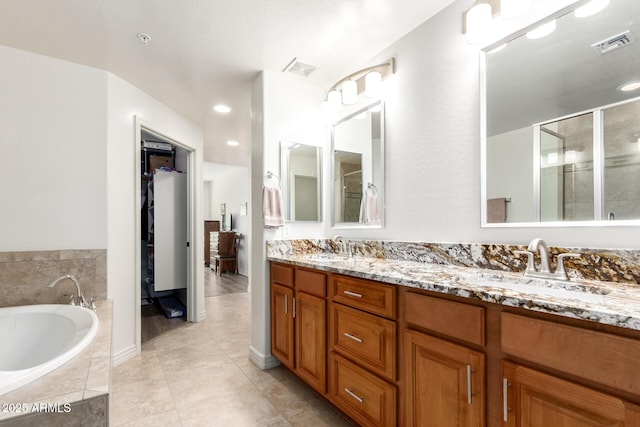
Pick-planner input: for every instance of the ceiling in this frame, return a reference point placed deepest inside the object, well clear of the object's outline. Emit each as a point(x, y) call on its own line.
point(205, 52)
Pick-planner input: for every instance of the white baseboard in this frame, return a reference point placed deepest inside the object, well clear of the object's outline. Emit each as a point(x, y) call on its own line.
point(124, 355)
point(261, 361)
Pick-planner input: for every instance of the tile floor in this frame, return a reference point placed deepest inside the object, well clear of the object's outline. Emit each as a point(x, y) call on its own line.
point(199, 374)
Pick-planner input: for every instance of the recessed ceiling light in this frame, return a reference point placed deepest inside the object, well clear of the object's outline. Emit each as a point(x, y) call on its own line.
point(542, 31)
point(144, 38)
point(591, 8)
point(221, 108)
point(628, 87)
point(233, 143)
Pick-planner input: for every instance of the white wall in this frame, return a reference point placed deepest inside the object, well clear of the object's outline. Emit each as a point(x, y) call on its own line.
point(125, 102)
point(232, 189)
point(283, 108)
point(53, 144)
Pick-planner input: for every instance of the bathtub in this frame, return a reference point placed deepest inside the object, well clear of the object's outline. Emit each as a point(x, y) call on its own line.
point(36, 339)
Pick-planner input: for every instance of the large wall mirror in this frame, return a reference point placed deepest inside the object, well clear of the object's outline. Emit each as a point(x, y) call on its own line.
point(562, 134)
point(301, 181)
point(357, 143)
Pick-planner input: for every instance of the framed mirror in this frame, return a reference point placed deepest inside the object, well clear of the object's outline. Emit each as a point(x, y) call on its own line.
point(301, 181)
point(357, 165)
point(561, 113)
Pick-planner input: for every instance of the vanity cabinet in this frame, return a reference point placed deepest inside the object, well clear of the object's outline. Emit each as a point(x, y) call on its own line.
point(298, 322)
point(535, 399)
point(363, 344)
point(444, 382)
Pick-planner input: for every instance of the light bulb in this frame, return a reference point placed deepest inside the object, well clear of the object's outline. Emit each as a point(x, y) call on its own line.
point(349, 92)
point(542, 31)
point(477, 22)
point(591, 8)
point(373, 84)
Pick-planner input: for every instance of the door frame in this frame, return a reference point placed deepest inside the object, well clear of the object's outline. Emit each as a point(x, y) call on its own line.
point(193, 305)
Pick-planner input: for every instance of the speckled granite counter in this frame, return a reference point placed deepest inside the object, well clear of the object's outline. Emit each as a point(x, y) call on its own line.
point(611, 303)
point(84, 383)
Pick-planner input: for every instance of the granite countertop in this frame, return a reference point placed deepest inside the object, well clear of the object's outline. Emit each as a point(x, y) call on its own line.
point(85, 376)
point(609, 303)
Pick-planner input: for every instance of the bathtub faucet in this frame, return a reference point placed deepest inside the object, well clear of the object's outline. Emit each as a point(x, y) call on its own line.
point(79, 298)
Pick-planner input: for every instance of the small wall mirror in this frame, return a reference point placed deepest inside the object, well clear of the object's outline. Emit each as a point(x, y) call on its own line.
point(357, 143)
point(301, 176)
point(562, 139)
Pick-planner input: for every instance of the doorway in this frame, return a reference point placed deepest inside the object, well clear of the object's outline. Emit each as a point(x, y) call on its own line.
point(165, 229)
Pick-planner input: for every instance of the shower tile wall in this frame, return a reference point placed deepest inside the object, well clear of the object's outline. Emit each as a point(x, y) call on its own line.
point(24, 275)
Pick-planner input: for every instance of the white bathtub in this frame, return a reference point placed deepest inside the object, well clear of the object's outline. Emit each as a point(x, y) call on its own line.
point(36, 339)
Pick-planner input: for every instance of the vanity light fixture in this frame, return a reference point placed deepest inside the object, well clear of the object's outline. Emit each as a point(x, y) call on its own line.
point(233, 143)
point(542, 31)
point(591, 8)
point(368, 80)
point(629, 87)
point(510, 9)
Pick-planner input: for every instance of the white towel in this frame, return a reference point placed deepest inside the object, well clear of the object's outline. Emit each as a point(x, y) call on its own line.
point(369, 210)
point(272, 207)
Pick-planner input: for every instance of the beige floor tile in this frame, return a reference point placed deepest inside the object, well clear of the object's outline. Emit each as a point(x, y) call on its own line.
point(138, 400)
point(144, 366)
point(164, 419)
point(318, 414)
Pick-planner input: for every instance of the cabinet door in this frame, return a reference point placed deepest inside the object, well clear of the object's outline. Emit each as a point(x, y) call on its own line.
point(534, 399)
point(444, 383)
point(311, 338)
point(282, 324)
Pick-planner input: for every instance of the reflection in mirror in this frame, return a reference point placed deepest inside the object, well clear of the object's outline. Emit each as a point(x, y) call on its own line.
point(301, 174)
point(561, 140)
point(358, 168)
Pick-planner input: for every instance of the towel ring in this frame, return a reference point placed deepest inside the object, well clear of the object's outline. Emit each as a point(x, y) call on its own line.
point(271, 175)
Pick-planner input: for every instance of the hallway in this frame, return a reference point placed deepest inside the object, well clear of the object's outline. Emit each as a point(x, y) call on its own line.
point(199, 374)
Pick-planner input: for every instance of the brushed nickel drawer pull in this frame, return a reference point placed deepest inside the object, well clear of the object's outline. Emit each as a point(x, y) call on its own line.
point(505, 399)
point(355, 396)
point(353, 337)
point(470, 393)
point(352, 294)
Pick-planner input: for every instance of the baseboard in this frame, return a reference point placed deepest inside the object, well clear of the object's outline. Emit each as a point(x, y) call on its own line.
point(261, 361)
point(124, 355)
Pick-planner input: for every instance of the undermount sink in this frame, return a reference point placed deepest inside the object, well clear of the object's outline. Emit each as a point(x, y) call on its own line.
point(326, 257)
point(542, 287)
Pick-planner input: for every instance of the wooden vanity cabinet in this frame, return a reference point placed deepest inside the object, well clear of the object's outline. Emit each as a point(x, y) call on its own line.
point(363, 350)
point(298, 322)
point(444, 382)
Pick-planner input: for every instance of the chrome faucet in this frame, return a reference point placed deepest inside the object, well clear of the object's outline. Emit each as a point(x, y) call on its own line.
point(79, 298)
point(540, 246)
point(344, 244)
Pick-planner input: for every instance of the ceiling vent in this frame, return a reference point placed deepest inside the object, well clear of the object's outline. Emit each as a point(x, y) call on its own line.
point(299, 68)
point(613, 43)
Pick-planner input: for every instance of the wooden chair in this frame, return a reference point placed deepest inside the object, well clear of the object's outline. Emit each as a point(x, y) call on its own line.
point(227, 255)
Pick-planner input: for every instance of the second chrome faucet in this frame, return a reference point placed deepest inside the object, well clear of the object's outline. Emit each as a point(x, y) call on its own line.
point(544, 272)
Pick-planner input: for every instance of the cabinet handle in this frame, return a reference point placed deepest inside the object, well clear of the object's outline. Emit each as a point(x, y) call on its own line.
point(355, 396)
point(294, 308)
point(505, 399)
point(352, 294)
point(353, 337)
point(286, 304)
point(470, 392)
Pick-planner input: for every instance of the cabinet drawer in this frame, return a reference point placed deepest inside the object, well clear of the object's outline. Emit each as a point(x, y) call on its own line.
point(367, 399)
point(367, 339)
point(457, 320)
point(282, 274)
point(597, 356)
point(311, 282)
point(376, 298)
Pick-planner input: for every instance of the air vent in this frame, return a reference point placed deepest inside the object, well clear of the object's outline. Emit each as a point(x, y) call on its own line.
point(299, 68)
point(613, 43)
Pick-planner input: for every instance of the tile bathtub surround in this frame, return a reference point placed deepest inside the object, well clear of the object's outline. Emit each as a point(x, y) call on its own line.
point(24, 275)
point(84, 382)
point(608, 265)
